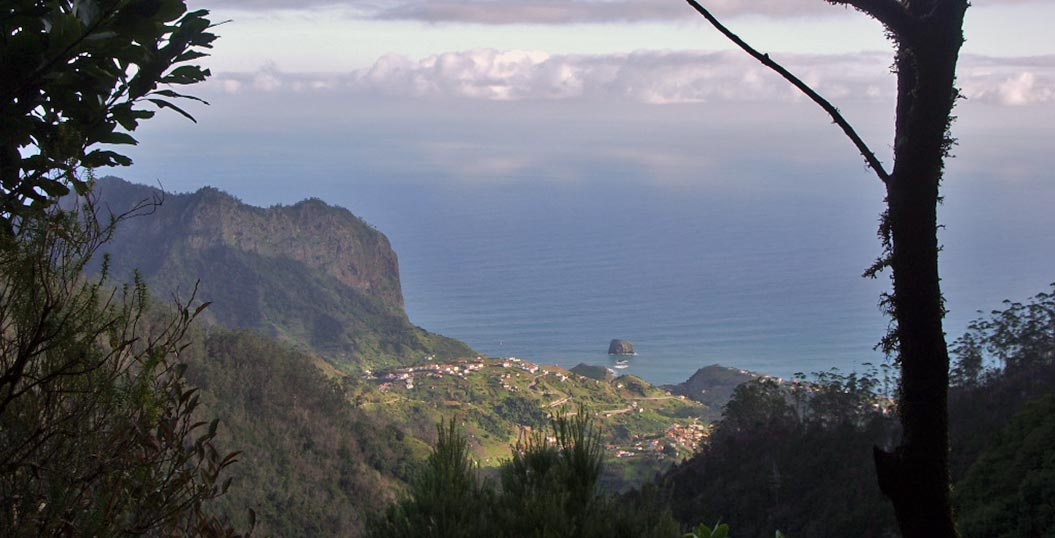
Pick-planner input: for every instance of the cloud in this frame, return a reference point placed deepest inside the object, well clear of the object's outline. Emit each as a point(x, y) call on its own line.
point(1011, 82)
point(536, 11)
point(478, 74)
point(650, 77)
point(557, 11)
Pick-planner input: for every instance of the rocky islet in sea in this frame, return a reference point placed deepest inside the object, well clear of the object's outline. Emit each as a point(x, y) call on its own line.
point(621, 347)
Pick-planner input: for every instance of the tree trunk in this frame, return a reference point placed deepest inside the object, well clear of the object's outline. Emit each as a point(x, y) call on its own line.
point(928, 34)
point(915, 476)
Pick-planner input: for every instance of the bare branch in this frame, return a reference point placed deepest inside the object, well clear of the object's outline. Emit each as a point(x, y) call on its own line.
point(837, 117)
point(891, 13)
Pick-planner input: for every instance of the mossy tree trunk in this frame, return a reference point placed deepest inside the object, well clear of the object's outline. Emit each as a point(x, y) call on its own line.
point(915, 476)
point(928, 35)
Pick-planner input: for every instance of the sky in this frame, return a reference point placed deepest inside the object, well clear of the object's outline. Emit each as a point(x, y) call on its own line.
point(328, 36)
point(340, 36)
point(480, 66)
point(500, 90)
point(333, 98)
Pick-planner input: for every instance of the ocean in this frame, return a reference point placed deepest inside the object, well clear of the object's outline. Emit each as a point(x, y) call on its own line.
point(764, 278)
point(733, 234)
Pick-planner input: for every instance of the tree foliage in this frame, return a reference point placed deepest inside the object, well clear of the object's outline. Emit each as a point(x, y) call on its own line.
point(76, 78)
point(1004, 361)
point(98, 429)
point(550, 486)
point(447, 498)
point(100, 433)
point(549, 489)
point(1019, 337)
point(311, 464)
point(1002, 428)
point(1010, 491)
point(792, 456)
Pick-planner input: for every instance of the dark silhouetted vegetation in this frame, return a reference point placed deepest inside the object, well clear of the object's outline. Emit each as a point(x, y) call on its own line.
point(1002, 427)
point(99, 430)
point(793, 457)
point(74, 75)
point(928, 35)
point(1010, 491)
point(548, 488)
point(311, 463)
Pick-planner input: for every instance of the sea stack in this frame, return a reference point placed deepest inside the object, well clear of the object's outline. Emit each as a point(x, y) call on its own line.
point(621, 347)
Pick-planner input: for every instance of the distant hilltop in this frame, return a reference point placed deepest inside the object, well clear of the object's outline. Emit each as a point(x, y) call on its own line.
point(309, 273)
point(713, 385)
point(320, 236)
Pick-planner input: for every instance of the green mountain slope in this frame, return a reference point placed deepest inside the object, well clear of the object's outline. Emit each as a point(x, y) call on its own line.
point(310, 274)
point(645, 429)
point(712, 386)
point(330, 391)
point(311, 464)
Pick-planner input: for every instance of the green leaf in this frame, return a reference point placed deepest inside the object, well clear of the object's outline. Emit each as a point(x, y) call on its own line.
point(100, 157)
point(86, 10)
point(190, 55)
point(175, 95)
point(161, 103)
point(185, 74)
point(119, 138)
point(65, 31)
point(200, 308)
point(187, 71)
point(123, 115)
point(55, 189)
point(170, 10)
point(79, 67)
point(100, 36)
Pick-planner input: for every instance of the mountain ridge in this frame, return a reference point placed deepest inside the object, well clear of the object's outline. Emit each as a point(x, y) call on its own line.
point(309, 273)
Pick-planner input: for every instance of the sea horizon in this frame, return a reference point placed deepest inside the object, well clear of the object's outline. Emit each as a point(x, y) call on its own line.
point(693, 277)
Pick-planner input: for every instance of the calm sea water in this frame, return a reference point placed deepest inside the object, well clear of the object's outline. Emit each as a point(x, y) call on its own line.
point(739, 241)
point(757, 278)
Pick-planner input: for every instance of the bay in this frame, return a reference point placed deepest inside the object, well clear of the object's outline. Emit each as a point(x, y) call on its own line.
point(543, 231)
point(752, 278)
point(550, 273)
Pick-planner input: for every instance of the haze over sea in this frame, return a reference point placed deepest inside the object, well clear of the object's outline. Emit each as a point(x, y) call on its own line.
point(732, 234)
point(693, 277)
point(552, 273)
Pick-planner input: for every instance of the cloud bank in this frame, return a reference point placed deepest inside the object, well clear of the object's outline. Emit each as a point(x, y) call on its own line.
point(650, 77)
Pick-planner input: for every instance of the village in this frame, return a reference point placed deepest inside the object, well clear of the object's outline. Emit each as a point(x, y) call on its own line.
point(678, 440)
point(407, 376)
point(551, 387)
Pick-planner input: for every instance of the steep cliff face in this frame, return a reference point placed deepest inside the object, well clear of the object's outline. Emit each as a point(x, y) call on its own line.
point(311, 274)
point(322, 237)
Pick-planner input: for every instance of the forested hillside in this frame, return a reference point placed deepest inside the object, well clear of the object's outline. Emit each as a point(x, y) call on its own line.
point(797, 457)
point(324, 385)
point(284, 391)
point(308, 274)
point(310, 464)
